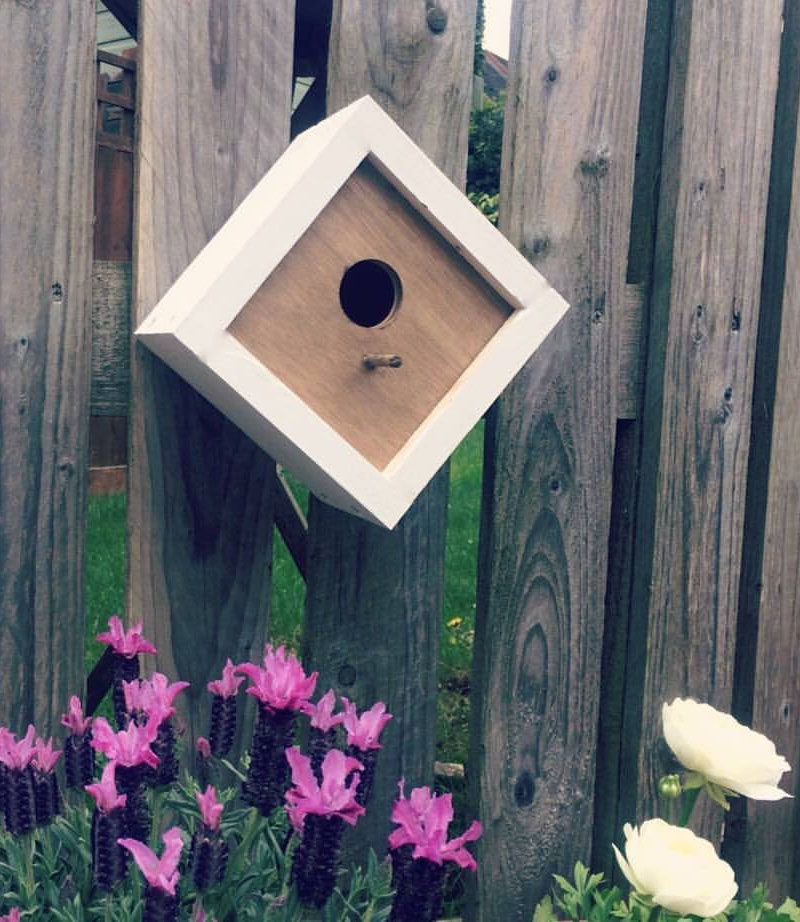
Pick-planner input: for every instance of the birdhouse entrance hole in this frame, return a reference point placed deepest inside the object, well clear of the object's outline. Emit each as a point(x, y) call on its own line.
point(370, 292)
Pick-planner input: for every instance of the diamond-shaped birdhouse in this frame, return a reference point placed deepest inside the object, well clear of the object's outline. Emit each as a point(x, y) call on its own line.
point(356, 315)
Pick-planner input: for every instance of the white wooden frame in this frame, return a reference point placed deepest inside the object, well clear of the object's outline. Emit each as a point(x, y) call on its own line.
point(188, 327)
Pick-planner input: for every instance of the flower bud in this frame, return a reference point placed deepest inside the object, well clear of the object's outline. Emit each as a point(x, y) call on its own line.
point(316, 859)
point(208, 858)
point(20, 807)
point(109, 860)
point(79, 759)
point(268, 774)
point(46, 796)
point(670, 786)
point(223, 725)
point(126, 669)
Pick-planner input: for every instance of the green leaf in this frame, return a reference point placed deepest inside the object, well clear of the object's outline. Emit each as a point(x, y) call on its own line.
point(544, 911)
point(789, 908)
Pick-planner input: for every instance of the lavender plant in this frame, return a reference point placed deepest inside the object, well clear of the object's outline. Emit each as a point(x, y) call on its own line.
point(143, 843)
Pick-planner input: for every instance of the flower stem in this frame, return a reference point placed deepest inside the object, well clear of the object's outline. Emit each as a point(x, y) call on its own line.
point(238, 857)
point(156, 803)
point(688, 806)
point(28, 849)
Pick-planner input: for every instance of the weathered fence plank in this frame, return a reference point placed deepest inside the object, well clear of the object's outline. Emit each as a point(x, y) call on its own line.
point(704, 314)
point(201, 493)
point(630, 386)
point(375, 597)
point(566, 196)
point(771, 832)
point(47, 111)
point(761, 839)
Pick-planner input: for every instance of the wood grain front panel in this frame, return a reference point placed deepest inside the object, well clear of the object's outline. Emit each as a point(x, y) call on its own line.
point(296, 327)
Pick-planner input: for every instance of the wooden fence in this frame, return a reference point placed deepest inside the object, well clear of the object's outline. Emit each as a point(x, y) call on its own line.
point(640, 530)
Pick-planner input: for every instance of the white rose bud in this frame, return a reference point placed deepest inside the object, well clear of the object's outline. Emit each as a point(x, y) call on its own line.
point(718, 747)
point(676, 869)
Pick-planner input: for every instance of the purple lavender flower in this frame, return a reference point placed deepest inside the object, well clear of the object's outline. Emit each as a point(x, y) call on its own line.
point(322, 733)
point(109, 859)
point(20, 804)
point(131, 750)
point(223, 709)
point(281, 684)
point(126, 647)
point(419, 850)
point(46, 793)
point(281, 688)
point(79, 761)
point(363, 731)
point(319, 811)
point(161, 874)
point(208, 855)
point(149, 700)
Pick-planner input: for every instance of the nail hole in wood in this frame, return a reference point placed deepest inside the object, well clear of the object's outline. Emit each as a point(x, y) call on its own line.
point(346, 675)
point(370, 292)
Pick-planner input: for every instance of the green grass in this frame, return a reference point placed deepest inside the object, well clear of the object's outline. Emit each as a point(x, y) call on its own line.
point(106, 563)
point(106, 567)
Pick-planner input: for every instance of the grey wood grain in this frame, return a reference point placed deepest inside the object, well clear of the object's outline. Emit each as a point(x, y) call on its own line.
point(701, 353)
point(201, 493)
point(632, 337)
point(566, 192)
point(374, 598)
point(46, 151)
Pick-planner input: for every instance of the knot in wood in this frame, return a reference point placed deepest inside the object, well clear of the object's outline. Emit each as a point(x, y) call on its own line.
point(524, 790)
point(436, 18)
point(595, 163)
point(538, 246)
point(346, 675)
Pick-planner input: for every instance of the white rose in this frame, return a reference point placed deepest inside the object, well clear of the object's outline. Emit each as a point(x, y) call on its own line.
point(722, 750)
point(676, 869)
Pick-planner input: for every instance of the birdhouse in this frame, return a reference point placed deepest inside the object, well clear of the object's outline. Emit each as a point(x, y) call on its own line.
point(356, 315)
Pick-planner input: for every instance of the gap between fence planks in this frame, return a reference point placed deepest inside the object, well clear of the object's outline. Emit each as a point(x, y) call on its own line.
point(47, 109)
point(566, 192)
point(704, 313)
point(201, 494)
point(111, 337)
point(374, 598)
